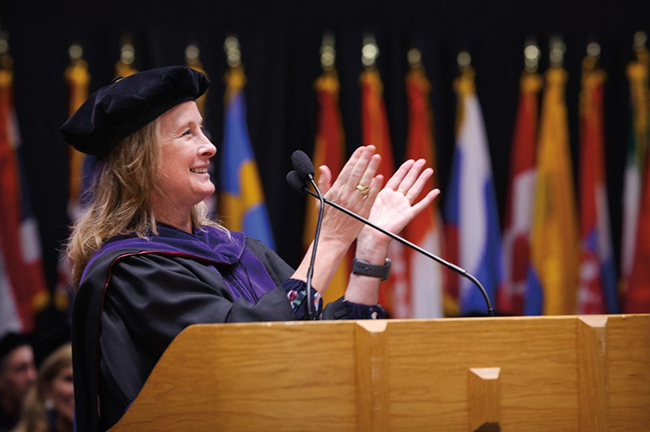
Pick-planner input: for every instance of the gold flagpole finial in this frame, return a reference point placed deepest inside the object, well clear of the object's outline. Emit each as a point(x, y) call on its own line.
point(557, 48)
point(327, 52)
point(414, 57)
point(369, 51)
point(593, 54)
point(532, 54)
point(192, 54)
point(233, 51)
point(127, 50)
point(127, 54)
point(640, 39)
point(6, 62)
point(464, 60)
point(4, 43)
point(75, 52)
point(593, 49)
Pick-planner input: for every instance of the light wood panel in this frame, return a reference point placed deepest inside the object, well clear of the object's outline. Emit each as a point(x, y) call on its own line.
point(628, 359)
point(555, 373)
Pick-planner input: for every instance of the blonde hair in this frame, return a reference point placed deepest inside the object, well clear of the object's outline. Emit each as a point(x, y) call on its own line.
point(34, 415)
point(121, 198)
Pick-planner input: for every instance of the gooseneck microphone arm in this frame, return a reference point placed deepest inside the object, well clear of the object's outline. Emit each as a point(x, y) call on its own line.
point(305, 169)
point(296, 183)
point(312, 262)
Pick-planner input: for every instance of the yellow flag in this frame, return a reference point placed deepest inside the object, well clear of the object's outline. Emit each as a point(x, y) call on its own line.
point(554, 240)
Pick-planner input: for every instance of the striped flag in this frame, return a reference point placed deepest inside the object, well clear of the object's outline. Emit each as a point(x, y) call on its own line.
point(637, 73)
point(597, 282)
point(519, 206)
point(375, 131)
point(425, 298)
point(637, 297)
point(472, 219)
point(329, 150)
point(551, 288)
point(241, 200)
point(23, 287)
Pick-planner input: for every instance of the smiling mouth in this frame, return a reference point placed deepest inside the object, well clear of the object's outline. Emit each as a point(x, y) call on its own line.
point(199, 170)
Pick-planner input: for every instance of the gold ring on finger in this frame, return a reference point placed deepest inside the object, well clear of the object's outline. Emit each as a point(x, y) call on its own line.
point(402, 191)
point(363, 189)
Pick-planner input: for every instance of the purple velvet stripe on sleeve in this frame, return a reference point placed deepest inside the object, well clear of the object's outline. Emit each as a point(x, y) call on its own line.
point(226, 253)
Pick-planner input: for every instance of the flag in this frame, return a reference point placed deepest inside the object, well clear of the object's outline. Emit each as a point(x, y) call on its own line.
point(242, 197)
point(551, 287)
point(425, 297)
point(519, 205)
point(10, 321)
point(374, 129)
point(77, 78)
point(200, 102)
point(329, 150)
point(637, 73)
point(597, 281)
point(473, 235)
point(211, 201)
point(23, 282)
point(637, 297)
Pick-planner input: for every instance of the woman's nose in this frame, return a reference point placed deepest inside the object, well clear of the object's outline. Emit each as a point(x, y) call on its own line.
point(208, 149)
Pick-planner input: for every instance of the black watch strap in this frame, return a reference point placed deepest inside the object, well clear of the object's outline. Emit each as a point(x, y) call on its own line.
point(363, 268)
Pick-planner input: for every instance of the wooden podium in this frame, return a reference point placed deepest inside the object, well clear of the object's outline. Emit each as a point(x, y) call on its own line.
point(587, 373)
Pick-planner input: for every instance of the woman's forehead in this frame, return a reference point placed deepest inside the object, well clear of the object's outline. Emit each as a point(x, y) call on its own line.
point(181, 114)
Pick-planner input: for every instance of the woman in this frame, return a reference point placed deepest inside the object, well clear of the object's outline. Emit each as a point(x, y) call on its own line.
point(148, 262)
point(49, 405)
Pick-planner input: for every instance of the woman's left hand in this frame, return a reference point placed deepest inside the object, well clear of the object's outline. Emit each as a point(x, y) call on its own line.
point(396, 206)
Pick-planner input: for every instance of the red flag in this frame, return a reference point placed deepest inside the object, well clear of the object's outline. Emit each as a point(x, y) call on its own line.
point(425, 297)
point(374, 120)
point(329, 150)
point(521, 190)
point(597, 277)
point(18, 228)
point(375, 132)
point(637, 297)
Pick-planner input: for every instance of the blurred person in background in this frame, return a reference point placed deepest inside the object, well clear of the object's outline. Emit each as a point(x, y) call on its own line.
point(49, 405)
point(17, 375)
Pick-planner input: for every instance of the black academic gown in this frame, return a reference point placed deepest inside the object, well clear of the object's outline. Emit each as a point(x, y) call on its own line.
point(122, 325)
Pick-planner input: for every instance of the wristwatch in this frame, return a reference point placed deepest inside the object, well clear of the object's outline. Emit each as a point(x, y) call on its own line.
point(365, 269)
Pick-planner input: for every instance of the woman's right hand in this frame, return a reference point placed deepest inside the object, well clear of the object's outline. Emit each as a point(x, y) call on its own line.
point(339, 230)
point(357, 175)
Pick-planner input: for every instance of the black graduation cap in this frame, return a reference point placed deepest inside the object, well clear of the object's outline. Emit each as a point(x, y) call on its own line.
point(11, 341)
point(126, 105)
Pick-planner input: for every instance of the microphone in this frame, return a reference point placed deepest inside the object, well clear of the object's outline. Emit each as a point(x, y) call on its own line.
point(303, 165)
point(304, 171)
point(297, 183)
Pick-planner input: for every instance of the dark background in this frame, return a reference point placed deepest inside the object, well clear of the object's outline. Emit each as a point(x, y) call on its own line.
point(280, 50)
